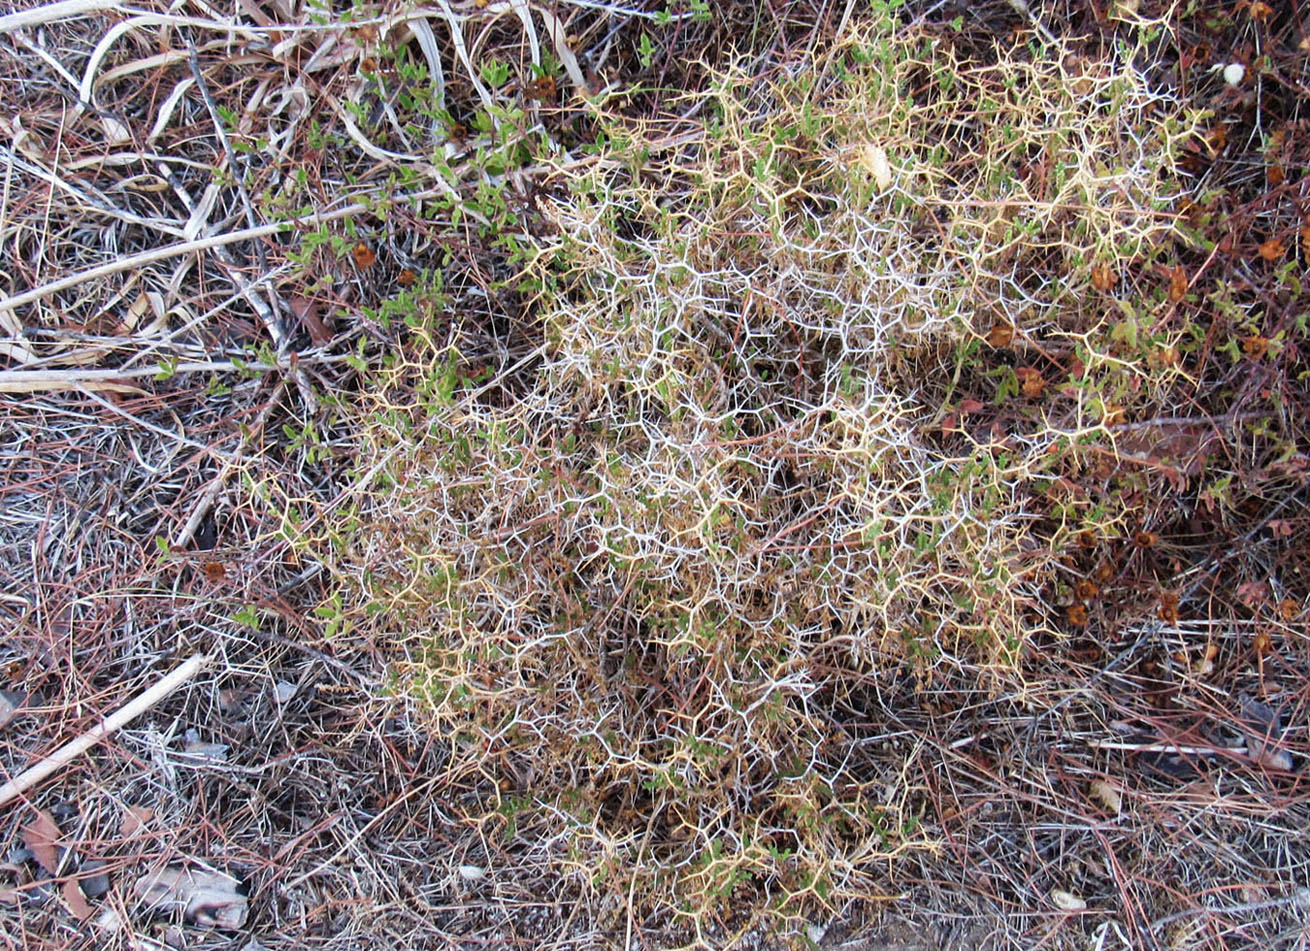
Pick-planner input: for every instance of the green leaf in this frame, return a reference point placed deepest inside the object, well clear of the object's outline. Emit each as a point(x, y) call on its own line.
point(247, 616)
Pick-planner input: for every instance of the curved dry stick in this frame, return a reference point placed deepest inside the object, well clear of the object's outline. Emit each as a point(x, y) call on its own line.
point(120, 717)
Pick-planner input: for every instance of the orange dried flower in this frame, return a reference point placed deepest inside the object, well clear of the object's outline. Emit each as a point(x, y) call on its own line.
point(1287, 609)
point(1104, 573)
point(1255, 347)
point(542, 89)
point(1168, 610)
point(1272, 250)
point(1145, 539)
point(1259, 10)
point(1104, 278)
point(1177, 284)
point(1086, 590)
point(1076, 614)
point(214, 571)
point(1087, 540)
point(406, 278)
point(1031, 383)
point(1000, 335)
point(1263, 643)
point(363, 255)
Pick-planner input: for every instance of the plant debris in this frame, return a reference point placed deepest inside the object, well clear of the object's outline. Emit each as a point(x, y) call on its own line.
point(205, 897)
point(657, 474)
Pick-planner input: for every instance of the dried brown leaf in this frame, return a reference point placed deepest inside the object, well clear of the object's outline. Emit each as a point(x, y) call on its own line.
point(134, 819)
point(40, 836)
point(76, 901)
point(310, 313)
point(1280, 527)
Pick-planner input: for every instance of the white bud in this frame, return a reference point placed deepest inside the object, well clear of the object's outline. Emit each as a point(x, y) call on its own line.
point(874, 160)
point(1233, 73)
point(1067, 900)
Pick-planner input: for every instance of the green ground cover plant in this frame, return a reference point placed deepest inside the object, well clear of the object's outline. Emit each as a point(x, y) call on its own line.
point(719, 477)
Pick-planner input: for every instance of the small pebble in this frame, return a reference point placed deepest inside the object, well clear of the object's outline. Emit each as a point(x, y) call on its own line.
point(96, 885)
